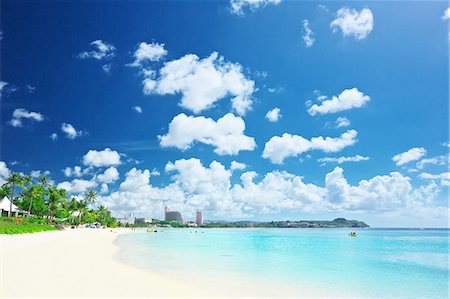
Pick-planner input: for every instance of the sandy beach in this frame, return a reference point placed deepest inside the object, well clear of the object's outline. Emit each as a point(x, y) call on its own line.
point(84, 263)
point(78, 264)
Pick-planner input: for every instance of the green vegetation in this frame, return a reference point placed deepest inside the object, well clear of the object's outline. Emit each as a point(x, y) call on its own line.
point(10, 226)
point(47, 205)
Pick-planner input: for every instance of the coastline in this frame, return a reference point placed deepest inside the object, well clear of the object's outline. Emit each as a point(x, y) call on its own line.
point(86, 263)
point(79, 263)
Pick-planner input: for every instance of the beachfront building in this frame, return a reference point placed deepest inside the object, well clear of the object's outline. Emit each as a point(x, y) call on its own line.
point(199, 217)
point(5, 208)
point(172, 215)
point(143, 220)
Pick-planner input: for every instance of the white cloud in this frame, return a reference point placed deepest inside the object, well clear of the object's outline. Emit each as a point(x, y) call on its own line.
point(107, 68)
point(446, 15)
point(138, 109)
point(279, 148)
point(443, 177)
point(226, 134)
point(237, 7)
point(106, 157)
point(195, 186)
point(38, 173)
point(273, 115)
point(104, 188)
point(341, 160)
point(30, 88)
point(342, 122)
point(237, 165)
point(353, 23)
point(148, 52)
point(202, 82)
point(54, 136)
point(412, 154)
point(76, 171)
point(438, 160)
point(20, 114)
point(102, 50)
point(70, 131)
point(77, 185)
point(348, 99)
point(4, 170)
point(308, 34)
point(109, 176)
point(3, 84)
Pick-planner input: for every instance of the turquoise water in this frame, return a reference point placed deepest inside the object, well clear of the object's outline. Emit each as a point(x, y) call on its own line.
point(379, 263)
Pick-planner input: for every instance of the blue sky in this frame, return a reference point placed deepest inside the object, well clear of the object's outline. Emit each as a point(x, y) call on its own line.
point(204, 75)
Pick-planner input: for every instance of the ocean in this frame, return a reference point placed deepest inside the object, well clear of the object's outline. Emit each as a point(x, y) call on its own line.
point(378, 263)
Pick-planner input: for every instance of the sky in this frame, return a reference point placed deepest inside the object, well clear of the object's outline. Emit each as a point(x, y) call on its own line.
point(247, 110)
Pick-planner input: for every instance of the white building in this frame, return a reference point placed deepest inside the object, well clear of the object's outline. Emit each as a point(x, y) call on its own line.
point(5, 205)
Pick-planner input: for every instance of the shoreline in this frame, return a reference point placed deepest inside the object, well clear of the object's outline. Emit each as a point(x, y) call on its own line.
point(79, 263)
point(86, 263)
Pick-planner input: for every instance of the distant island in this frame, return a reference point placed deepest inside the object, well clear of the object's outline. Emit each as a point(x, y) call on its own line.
point(336, 223)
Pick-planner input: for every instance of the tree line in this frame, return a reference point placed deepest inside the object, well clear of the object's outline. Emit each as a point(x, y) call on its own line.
point(44, 201)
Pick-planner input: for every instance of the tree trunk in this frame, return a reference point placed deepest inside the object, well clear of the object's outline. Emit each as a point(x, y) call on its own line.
point(11, 202)
point(29, 208)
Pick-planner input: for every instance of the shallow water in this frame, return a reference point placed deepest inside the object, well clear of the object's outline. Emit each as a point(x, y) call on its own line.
point(379, 263)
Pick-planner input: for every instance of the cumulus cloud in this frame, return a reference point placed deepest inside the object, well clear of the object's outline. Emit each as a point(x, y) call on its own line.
point(78, 185)
point(109, 176)
point(347, 99)
point(412, 154)
point(274, 115)
point(76, 171)
point(226, 134)
point(106, 157)
point(353, 23)
point(342, 122)
point(308, 34)
point(279, 148)
point(20, 114)
point(148, 53)
point(237, 165)
point(446, 15)
point(4, 171)
point(102, 50)
point(138, 109)
point(70, 131)
point(196, 186)
point(340, 160)
point(238, 7)
point(202, 82)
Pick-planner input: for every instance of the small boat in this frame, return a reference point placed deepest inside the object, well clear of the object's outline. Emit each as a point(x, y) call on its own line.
point(352, 234)
point(152, 231)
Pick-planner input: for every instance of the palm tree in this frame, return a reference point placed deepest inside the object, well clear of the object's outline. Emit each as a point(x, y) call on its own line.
point(13, 180)
point(54, 195)
point(73, 206)
point(82, 205)
point(44, 181)
point(90, 196)
point(32, 193)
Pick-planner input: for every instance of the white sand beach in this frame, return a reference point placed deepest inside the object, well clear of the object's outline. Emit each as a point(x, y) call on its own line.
point(83, 263)
point(78, 264)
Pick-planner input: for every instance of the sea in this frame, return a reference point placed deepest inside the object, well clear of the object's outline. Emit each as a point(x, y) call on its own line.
point(378, 263)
